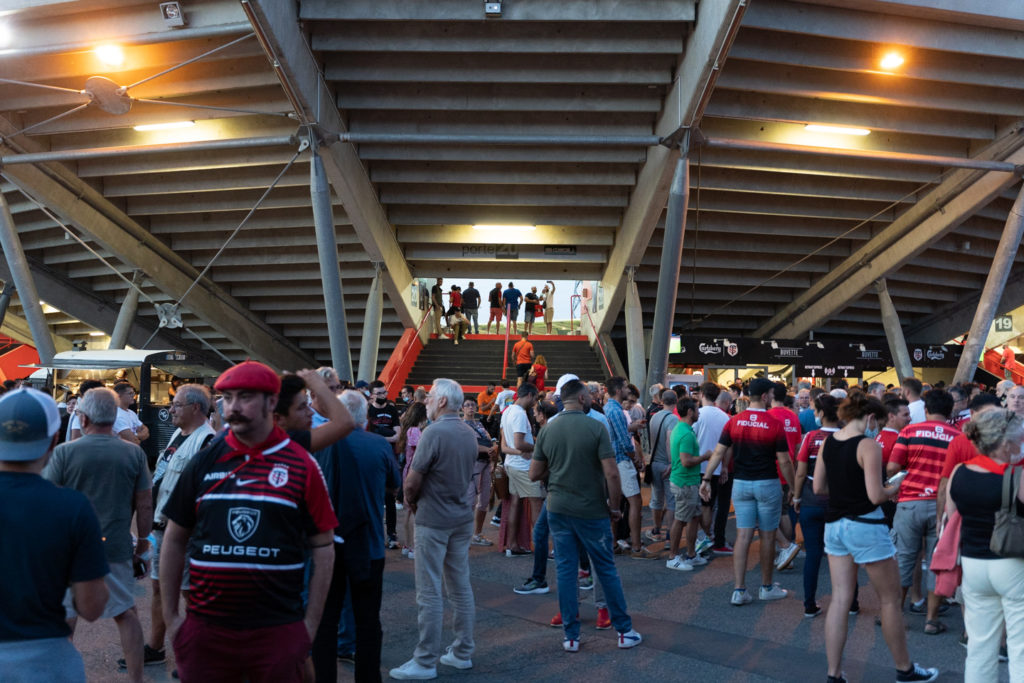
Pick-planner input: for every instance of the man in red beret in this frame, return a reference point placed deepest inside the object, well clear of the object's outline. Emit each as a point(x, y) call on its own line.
point(252, 503)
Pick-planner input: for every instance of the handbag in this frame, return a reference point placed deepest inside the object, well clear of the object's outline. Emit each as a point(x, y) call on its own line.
point(499, 481)
point(1008, 530)
point(945, 562)
point(649, 468)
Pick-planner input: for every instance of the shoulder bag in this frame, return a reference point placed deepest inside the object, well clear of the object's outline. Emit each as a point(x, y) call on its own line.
point(1008, 531)
point(649, 468)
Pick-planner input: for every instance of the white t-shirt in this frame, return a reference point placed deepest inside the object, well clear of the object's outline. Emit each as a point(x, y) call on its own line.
point(126, 419)
point(711, 420)
point(514, 421)
point(916, 409)
point(504, 399)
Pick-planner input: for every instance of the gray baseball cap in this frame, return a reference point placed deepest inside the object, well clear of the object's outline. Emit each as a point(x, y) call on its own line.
point(28, 421)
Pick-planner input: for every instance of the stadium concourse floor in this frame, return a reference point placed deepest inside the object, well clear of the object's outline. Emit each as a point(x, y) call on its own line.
point(690, 630)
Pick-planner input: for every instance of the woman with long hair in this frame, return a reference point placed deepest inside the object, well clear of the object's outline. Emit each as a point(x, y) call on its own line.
point(993, 586)
point(414, 420)
point(539, 371)
point(849, 471)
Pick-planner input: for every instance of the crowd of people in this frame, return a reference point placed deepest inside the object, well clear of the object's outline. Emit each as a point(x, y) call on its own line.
point(461, 315)
point(270, 511)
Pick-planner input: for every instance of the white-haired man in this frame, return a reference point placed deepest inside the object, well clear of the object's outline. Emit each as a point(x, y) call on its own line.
point(435, 489)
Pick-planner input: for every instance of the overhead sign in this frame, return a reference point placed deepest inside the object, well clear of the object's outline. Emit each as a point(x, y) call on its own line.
point(559, 250)
point(825, 358)
point(1003, 323)
point(498, 251)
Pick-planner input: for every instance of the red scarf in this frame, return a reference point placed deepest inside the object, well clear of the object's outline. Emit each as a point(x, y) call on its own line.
point(276, 436)
point(987, 463)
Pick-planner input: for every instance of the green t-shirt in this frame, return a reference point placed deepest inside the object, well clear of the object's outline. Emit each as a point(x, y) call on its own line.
point(573, 445)
point(683, 440)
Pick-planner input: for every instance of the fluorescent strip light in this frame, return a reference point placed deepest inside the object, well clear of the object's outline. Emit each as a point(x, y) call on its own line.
point(891, 61)
point(170, 125)
point(506, 228)
point(836, 130)
point(96, 334)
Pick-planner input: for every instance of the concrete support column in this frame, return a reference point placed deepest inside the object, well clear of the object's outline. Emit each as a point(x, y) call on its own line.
point(18, 265)
point(671, 257)
point(5, 300)
point(894, 332)
point(993, 291)
point(635, 346)
point(327, 248)
point(371, 328)
point(125, 317)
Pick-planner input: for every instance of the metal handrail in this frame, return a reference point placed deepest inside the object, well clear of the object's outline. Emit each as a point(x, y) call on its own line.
point(572, 316)
point(597, 337)
point(504, 362)
point(399, 352)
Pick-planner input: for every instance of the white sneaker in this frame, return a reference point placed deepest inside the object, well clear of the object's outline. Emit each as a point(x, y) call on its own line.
point(679, 564)
point(449, 659)
point(786, 556)
point(776, 592)
point(624, 544)
point(629, 639)
point(697, 560)
point(411, 671)
point(571, 645)
point(703, 546)
point(741, 598)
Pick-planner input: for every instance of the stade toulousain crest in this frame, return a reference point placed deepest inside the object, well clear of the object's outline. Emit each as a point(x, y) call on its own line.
point(242, 523)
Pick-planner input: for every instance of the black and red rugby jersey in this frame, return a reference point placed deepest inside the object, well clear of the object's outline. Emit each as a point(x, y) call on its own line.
point(756, 437)
point(251, 511)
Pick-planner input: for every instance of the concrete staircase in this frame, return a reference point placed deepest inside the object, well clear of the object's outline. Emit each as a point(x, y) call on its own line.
point(477, 359)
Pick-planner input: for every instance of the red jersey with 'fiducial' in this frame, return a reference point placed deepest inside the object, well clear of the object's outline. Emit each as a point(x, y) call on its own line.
point(921, 450)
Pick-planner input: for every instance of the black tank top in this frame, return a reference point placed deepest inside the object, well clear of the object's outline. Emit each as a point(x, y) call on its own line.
point(847, 494)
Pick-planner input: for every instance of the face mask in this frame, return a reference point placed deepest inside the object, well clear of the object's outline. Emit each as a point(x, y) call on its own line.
point(817, 420)
point(871, 431)
point(1016, 459)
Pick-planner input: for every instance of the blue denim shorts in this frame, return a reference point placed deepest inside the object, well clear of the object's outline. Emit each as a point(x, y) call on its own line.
point(757, 503)
point(863, 541)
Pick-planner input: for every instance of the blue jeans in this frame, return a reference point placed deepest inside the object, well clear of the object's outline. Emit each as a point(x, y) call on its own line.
point(595, 537)
point(812, 522)
point(541, 533)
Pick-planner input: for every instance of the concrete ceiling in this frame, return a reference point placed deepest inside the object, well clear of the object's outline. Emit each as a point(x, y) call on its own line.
point(764, 230)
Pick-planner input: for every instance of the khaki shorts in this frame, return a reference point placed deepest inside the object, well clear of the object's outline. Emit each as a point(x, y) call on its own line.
point(121, 586)
point(687, 502)
point(154, 565)
point(549, 314)
point(627, 477)
point(519, 484)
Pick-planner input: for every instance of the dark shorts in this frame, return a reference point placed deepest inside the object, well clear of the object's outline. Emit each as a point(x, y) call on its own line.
point(715, 483)
point(523, 369)
point(207, 652)
point(513, 314)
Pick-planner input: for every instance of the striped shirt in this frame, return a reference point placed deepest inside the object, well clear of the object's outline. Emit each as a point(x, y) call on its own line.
point(921, 450)
point(622, 440)
point(251, 511)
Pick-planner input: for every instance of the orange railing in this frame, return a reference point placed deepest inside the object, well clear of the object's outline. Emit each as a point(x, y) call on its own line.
point(402, 358)
point(992, 362)
point(597, 337)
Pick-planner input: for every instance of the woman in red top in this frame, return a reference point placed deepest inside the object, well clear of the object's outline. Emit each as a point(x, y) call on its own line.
point(809, 505)
point(538, 372)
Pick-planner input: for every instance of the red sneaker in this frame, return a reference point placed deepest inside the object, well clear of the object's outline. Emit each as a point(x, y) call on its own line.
point(724, 549)
point(556, 620)
point(604, 620)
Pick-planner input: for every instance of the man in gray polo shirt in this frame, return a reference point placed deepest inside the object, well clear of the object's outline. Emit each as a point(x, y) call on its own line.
point(436, 489)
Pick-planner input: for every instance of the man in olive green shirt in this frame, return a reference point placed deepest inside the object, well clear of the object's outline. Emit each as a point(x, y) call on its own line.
point(684, 454)
point(574, 452)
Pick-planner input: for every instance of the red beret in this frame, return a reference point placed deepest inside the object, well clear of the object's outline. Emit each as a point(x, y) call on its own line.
point(249, 375)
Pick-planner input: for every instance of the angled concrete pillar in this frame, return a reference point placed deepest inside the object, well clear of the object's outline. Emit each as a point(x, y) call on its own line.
point(371, 328)
point(668, 277)
point(894, 332)
point(635, 334)
point(327, 248)
point(5, 300)
point(18, 265)
point(126, 316)
point(993, 291)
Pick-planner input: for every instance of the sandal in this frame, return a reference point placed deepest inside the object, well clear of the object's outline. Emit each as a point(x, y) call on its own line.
point(934, 627)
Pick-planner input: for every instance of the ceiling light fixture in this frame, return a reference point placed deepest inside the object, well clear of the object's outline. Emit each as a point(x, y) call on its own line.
point(170, 125)
point(836, 130)
point(111, 55)
point(506, 228)
point(891, 61)
point(5, 35)
point(97, 334)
